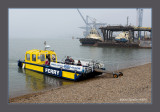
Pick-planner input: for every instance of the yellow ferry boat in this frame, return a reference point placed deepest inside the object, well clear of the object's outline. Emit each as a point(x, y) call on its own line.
point(35, 60)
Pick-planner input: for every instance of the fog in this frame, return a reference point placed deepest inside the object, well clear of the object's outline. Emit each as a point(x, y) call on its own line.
point(65, 22)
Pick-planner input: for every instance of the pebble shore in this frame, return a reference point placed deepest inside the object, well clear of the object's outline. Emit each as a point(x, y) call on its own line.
point(133, 87)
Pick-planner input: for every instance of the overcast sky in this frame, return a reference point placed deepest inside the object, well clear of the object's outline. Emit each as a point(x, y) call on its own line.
point(58, 23)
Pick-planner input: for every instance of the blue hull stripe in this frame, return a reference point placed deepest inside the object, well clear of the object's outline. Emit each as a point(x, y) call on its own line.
point(53, 68)
point(52, 75)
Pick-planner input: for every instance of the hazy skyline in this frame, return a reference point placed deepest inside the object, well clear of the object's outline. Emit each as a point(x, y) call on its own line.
point(64, 22)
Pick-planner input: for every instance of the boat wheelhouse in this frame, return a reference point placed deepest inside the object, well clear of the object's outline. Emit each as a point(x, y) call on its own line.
point(92, 38)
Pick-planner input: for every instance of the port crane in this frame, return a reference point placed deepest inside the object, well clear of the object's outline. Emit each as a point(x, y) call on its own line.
point(139, 19)
point(88, 24)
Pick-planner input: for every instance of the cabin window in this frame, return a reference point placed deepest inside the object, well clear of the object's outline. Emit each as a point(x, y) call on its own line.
point(42, 57)
point(28, 56)
point(33, 57)
point(38, 57)
point(53, 58)
point(47, 55)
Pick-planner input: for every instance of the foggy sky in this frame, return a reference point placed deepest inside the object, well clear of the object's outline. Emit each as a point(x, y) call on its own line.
point(58, 23)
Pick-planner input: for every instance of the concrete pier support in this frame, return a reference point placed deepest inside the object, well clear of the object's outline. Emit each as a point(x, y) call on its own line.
point(104, 34)
point(133, 36)
point(107, 36)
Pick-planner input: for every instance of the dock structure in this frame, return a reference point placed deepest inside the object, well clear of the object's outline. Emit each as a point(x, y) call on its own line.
point(108, 31)
point(108, 39)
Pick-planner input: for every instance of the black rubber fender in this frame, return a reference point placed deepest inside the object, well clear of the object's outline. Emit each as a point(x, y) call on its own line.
point(20, 64)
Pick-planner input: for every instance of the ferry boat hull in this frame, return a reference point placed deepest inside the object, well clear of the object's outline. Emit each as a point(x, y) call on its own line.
point(58, 72)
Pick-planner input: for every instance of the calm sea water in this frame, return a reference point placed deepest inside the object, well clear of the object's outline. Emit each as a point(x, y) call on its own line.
point(25, 81)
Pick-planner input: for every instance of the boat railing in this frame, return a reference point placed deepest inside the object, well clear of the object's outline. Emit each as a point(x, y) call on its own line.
point(72, 67)
point(72, 63)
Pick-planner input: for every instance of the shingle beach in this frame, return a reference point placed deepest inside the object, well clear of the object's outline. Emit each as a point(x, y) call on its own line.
point(133, 87)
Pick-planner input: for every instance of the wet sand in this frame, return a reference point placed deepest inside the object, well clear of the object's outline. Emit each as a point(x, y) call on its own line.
point(133, 87)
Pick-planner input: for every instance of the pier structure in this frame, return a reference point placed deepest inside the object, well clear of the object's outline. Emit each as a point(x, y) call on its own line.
point(108, 32)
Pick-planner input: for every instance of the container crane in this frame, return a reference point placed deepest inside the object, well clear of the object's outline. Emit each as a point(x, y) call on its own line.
point(89, 25)
point(85, 21)
point(139, 19)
